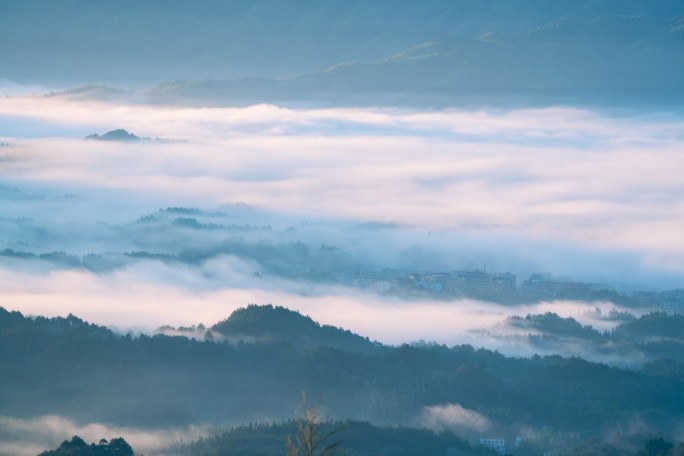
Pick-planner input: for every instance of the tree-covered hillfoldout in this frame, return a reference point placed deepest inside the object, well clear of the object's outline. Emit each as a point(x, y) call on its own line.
point(248, 370)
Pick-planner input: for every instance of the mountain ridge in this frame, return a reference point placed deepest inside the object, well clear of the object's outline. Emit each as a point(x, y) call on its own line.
point(67, 367)
point(333, 52)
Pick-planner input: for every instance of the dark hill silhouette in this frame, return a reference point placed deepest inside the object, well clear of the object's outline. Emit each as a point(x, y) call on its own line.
point(550, 323)
point(357, 438)
point(278, 324)
point(14, 323)
point(653, 325)
point(66, 367)
point(78, 447)
point(115, 135)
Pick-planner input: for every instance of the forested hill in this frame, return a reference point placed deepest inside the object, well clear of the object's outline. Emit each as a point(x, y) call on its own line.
point(67, 367)
point(654, 326)
point(364, 439)
point(355, 439)
point(653, 342)
point(78, 447)
point(278, 324)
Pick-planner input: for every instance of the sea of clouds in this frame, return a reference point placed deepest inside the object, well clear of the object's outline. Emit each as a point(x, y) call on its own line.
point(588, 195)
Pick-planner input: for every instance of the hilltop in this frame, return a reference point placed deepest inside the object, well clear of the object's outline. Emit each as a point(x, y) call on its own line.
point(115, 135)
point(281, 325)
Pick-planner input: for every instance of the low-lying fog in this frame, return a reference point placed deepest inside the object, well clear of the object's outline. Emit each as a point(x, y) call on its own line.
point(593, 196)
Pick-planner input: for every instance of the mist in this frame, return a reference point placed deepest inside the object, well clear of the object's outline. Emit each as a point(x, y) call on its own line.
point(153, 294)
point(454, 226)
point(503, 190)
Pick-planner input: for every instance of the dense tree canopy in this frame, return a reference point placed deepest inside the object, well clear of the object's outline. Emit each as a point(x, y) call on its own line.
point(78, 447)
point(64, 365)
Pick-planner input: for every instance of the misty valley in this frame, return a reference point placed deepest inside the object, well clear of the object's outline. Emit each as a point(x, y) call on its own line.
point(179, 295)
point(540, 365)
point(306, 255)
point(341, 228)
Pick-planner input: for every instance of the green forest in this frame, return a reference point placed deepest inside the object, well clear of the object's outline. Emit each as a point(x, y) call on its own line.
point(90, 373)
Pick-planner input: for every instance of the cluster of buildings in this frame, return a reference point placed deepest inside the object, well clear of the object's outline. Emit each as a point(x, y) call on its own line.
point(499, 444)
point(501, 287)
point(475, 283)
point(546, 287)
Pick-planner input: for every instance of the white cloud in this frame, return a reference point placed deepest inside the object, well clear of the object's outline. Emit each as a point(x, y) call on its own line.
point(454, 417)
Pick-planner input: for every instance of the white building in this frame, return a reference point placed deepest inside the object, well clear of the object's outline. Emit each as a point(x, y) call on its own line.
point(496, 444)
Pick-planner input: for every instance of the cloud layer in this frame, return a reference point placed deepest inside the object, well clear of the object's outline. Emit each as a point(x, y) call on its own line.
point(149, 294)
point(588, 195)
point(561, 174)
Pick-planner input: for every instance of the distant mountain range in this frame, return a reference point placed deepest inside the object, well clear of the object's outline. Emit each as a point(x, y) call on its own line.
point(435, 52)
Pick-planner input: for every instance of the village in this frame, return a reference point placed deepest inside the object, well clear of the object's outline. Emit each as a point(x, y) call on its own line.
point(499, 287)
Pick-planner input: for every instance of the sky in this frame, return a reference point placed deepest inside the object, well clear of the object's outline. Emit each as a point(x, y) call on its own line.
point(588, 195)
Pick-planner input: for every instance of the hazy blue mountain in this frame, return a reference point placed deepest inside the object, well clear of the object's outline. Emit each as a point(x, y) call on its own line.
point(398, 52)
point(614, 59)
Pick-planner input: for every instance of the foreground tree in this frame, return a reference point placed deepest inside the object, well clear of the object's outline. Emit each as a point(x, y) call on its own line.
point(315, 435)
